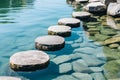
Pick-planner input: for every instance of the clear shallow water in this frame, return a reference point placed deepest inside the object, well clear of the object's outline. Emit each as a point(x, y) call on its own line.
point(21, 21)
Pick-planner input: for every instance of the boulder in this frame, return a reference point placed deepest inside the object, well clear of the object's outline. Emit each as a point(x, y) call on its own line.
point(95, 7)
point(113, 9)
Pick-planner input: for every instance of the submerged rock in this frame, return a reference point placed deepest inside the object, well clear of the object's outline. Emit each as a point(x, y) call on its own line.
point(100, 37)
point(61, 59)
point(81, 66)
point(82, 76)
point(9, 78)
point(65, 67)
point(96, 69)
point(65, 77)
point(98, 76)
point(112, 69)
point(113, 9)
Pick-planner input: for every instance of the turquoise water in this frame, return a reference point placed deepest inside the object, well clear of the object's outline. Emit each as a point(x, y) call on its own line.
point(21, 21)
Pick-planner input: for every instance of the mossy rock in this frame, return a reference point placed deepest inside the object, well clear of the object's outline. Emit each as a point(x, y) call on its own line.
point(89, 26)
point(109, 32)
point(112, 69)
point(93, 23)
point(93, 30)
point(92, 38)
point(101, 37)
point(112, 40)
point(111, 54)
point(114, 46)
point(103, 17)
point(117, 20)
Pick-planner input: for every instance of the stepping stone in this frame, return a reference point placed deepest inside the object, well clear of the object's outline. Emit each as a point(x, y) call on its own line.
point(81, 15)
point(64, 31)
point(29, 60)
point(95, 7)
point(49, 43)
point(72, 22)
point(81, 1)
point(9, 78)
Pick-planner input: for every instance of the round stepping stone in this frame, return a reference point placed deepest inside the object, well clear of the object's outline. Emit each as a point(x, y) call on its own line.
point(81, 15)
point(81, 1)
point(9, 78)
point(29, 60)
point(49, 43)
point(64, 31)
point(72, 22)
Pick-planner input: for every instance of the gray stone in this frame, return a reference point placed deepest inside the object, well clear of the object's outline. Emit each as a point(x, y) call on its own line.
point(92, 61)
point(113, 9)
point(31, 60)
point(98, 76)
point(95, 7)
point(65, 67)
point(96, 69)
point(81, 1)
point(9, 78)
point(81, 66)
point(82, 76)
point(72, 22)
point(65, 77)
point(81, 15)
point(61, 59)
point(75, 56)
point(64, 31)
point(118, 1)
point(49, 43)
point(75, 45)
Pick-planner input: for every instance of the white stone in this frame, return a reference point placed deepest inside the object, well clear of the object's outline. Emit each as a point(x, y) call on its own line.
point(98, 76)
point(28, 58)
point(81, 15)
point(65, 77)
point(72, 22)
point(95, 7)
point(96, 69)
point(113, 9)
point(9, 78)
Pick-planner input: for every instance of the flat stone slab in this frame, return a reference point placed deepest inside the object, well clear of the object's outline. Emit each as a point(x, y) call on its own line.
point(82, 76)
point(29, 60)
point(94, 0)
point(65, 68)
point(61, 30)
point(72, 22)
point(9, 78)
point(81, 15)
point(49, 43)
